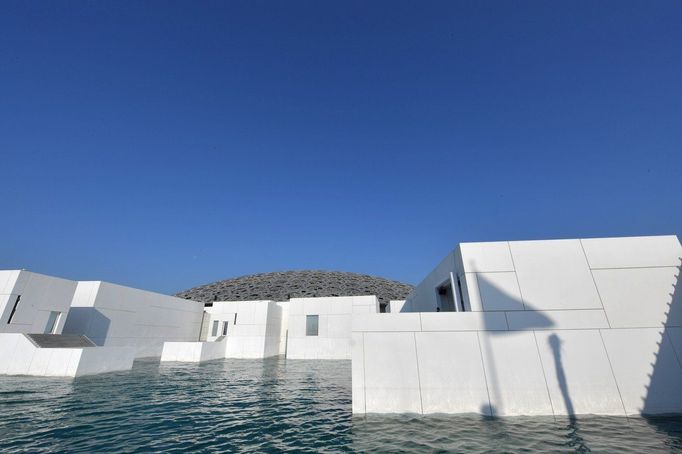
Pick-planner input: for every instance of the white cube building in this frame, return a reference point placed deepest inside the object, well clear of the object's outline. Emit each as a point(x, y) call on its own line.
point(557, 327)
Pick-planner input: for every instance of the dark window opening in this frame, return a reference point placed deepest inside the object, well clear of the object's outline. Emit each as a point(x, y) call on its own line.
point(446, 300)
point(312, 323)
point(14, 309)
point(225, 329)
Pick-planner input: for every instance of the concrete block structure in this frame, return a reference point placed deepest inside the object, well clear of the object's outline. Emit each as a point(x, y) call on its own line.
point(33, 303)
point(301, 328)
point(33, 312)
point(253, 329)
point(116, 316)
point(556, 327)
point(334, 317)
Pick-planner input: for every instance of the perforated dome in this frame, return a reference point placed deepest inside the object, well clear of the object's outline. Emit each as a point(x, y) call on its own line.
point(283, 285)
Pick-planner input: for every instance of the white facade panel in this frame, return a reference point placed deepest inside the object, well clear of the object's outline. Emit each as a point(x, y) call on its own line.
point(499, 291)
point(491, 256)
point(391, 376)
point(514, 374)
point(578, 374)
point(8, 279)
point(358, 372)
point(463, 321)
point(552, 320)
point(640, 297)
point(646, 368)
point(554, 274)
point(451, 375)
point(404, 321)
point(633, 252)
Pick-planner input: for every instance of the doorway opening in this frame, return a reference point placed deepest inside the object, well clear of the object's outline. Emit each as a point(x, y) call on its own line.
point(446, 299)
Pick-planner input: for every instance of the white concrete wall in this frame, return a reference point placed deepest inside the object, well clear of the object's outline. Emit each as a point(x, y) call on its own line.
point(395, 306)
point(18, 356)
point(116, 316)
point(334, 330)
point(557, 327)
point(39, 294)
point(193, 352)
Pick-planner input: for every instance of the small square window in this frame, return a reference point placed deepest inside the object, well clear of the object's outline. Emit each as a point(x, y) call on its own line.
point(312, 323)
point(214, 330)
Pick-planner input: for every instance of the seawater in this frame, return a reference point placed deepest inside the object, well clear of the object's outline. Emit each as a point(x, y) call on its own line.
point(275, 405)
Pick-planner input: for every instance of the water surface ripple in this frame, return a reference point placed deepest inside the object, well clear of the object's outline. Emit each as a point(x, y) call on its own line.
point(275, 405)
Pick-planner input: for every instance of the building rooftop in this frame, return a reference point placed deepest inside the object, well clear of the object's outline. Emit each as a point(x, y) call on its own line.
point(283, 285)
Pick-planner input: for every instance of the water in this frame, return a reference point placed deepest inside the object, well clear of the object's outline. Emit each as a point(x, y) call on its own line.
point(271, 406)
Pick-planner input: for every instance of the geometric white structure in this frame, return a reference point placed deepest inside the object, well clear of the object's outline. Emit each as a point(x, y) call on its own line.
point(116, 316)
point(32, 303)
point(20, 356)
point(557, 327)
point(261, 329)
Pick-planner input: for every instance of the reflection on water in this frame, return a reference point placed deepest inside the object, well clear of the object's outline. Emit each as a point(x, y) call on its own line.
point(274, 405)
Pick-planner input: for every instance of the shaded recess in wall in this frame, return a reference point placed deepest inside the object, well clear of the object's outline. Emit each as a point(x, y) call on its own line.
point(89, 322)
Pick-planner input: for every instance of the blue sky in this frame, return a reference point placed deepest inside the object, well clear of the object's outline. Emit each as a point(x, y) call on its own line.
point(168, 144)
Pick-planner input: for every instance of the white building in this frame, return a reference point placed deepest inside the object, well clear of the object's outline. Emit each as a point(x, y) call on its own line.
point(301, 328)
point(34, 310)
point(33, 303)
point(555, 327)
point(116, 316)
point(531, 328)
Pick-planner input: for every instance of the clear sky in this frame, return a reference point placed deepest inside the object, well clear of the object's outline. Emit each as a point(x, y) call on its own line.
point(164, 144)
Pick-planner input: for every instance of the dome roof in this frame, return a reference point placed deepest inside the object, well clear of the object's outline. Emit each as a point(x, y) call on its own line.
point(282, 285)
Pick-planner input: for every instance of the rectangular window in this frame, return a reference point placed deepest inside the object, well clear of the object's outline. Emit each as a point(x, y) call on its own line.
point(14, 309)
point(311, 325)
point(52, 322)
point(224, 328)
point(214, 330)
point(235, 319)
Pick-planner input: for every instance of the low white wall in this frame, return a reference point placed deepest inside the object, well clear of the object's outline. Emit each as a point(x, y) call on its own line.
point(334, 325)
point(399, 367)
point(39, 296)
point(99, 360)
point(18, 356)
point(117, 316)
point(194, 352)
